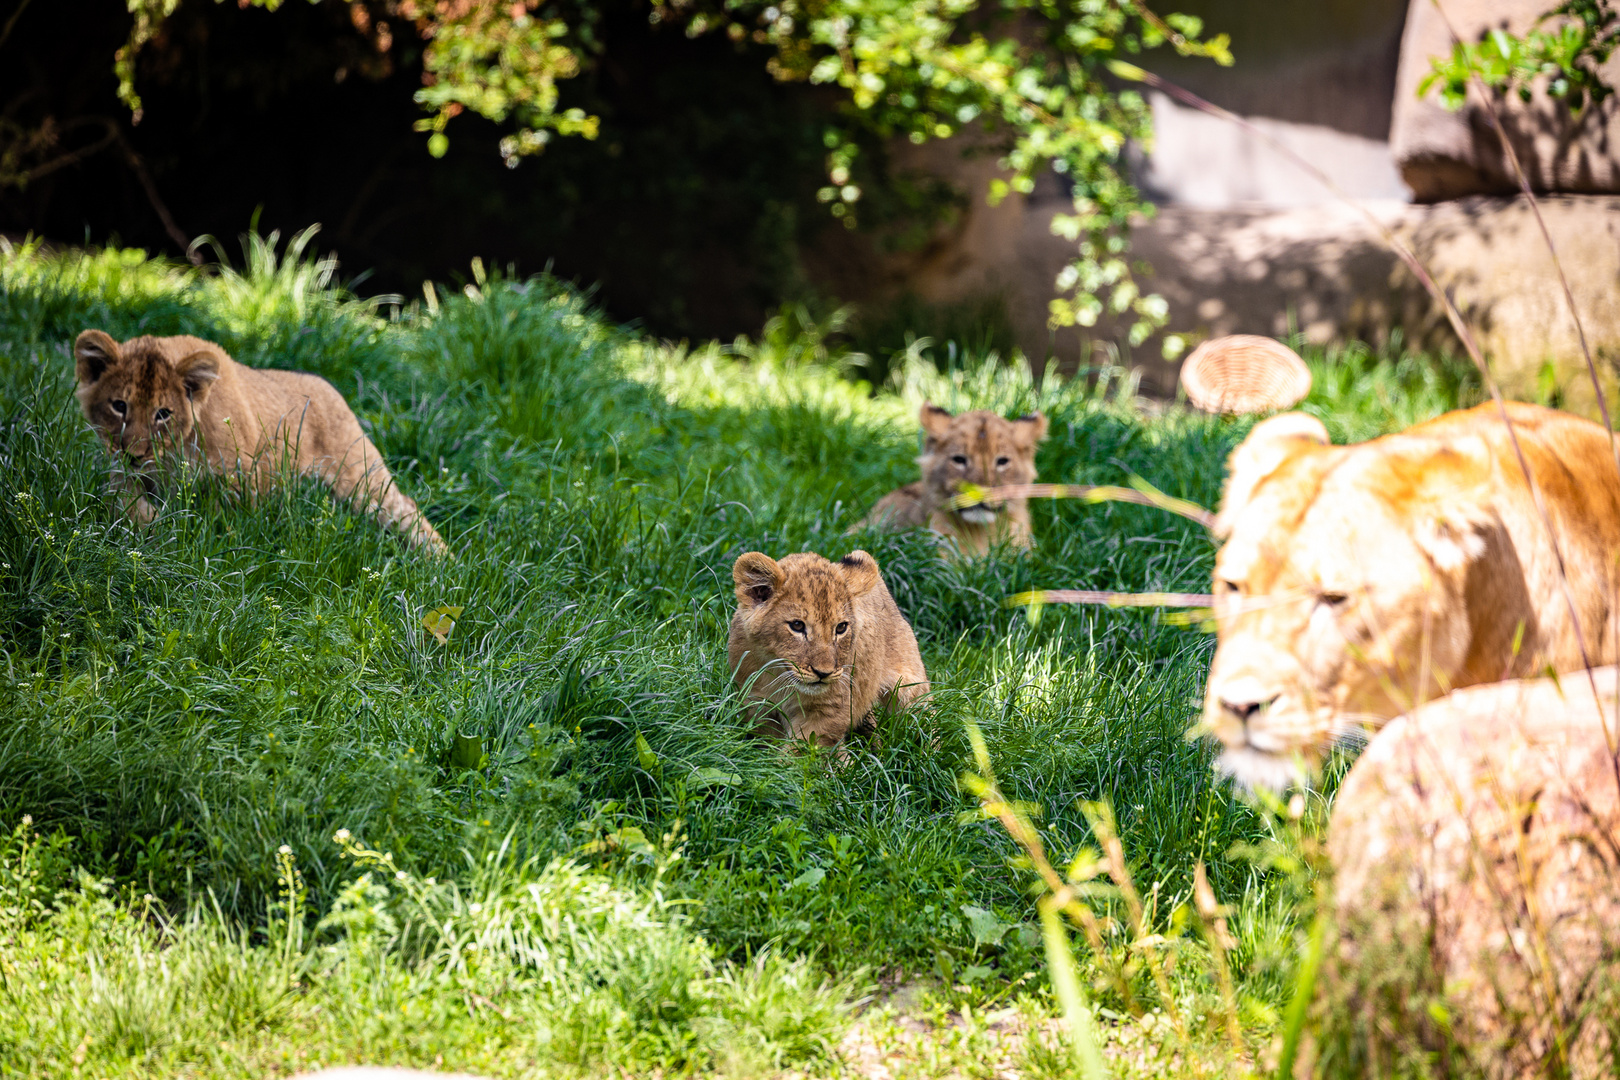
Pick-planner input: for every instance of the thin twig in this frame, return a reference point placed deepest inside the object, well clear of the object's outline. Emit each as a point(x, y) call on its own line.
point(1141, 493)
point(72, 157)
point(1111, 599)
point(152, 196)
point(11, 22)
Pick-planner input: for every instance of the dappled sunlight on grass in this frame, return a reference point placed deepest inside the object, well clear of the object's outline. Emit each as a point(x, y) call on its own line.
point(183, 702)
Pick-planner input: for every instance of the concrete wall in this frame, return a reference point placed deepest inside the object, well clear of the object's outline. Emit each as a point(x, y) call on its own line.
point(1232, 246)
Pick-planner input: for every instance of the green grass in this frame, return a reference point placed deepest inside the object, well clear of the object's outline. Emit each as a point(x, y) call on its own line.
point(184, 701)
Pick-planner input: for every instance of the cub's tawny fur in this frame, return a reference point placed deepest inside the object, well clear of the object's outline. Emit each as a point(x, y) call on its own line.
point(826, 642)
point(151, 396)
point(977, 448)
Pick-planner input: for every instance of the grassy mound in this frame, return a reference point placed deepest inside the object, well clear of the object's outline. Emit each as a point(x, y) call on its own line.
point(194, 711)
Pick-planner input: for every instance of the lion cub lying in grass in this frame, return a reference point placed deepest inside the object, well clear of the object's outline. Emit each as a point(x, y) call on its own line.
point(977, 448)
point(826, 642)
point(153, 395)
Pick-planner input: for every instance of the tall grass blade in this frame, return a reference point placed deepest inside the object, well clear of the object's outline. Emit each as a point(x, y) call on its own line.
point(1299, 1006)
point(1077, 1016)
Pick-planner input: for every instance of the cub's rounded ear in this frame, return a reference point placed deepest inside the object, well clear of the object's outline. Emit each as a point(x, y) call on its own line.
point(198, 371)
point(757, 576)
point(1271, 443)
point(93, 353)
point(1030, 428)
point(860, 573)
point(935, 420)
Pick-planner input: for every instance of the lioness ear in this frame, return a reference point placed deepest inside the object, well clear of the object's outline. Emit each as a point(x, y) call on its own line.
point(93, 353)
point(757, 577)
point(1030, 428)
point(1271, 443)
point(860, 573)
point(198, 371)
point(1452, 545)
point(935, 420)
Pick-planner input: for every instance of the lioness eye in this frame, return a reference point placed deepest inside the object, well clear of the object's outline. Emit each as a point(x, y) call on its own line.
point(1003, 462)
point(841, 627)
point(1334, 599)
point(160, 416)
point(117, 406)
point(1229, 586)
point(959, 459)
point(796, 625)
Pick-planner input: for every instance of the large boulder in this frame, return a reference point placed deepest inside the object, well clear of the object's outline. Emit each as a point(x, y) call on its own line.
point(1476, 845)
point(1445, 155)
point(1489, 255)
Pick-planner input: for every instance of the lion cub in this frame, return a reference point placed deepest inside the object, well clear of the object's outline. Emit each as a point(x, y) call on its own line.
point(978, 448)
point(153, 395)
point(826, 642)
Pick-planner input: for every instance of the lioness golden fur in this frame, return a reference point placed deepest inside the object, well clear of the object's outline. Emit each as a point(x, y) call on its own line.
point(819, 644)
point(1357, 581)
point(977, 448)
point(153, 395)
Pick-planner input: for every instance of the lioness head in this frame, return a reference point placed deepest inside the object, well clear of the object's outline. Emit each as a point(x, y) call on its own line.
point(142, 396)
point(1342, 592)
point(977, 448)
point(798, 616)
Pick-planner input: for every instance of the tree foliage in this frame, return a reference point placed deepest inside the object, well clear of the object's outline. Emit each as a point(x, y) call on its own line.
point(1565, 49)
point(1031, 75)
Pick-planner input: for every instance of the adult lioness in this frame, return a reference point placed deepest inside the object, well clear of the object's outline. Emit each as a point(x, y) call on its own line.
point(978, 448)
point(1356, 581)
point(819, 644)
point(154, 395)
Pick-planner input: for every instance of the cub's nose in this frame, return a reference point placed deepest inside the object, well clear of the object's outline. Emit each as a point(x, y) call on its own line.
point(821, 676)
point(1245, 710)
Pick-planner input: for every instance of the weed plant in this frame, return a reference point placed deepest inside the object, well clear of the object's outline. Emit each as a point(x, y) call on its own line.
point(195, 710)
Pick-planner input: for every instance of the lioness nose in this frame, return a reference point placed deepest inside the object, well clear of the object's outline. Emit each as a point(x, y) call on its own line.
point(1245, 710)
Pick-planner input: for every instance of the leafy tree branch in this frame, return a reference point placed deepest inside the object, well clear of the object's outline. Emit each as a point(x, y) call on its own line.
point(1031, 75)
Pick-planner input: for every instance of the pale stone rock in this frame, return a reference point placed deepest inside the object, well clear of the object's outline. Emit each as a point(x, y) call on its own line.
point(1490, 257)
point(1476, 845)
point(1444, 155)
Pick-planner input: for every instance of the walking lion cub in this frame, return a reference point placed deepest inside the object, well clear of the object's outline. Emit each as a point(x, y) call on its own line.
point(152, 396)
point(976, 448)
point(817, 644)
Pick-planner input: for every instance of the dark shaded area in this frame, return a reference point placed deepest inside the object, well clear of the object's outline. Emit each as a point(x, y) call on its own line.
point(694, 210)
point(1330, 62)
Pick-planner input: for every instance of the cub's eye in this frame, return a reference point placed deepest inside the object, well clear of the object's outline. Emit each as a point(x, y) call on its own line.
point(841, 627)
point(959, 459)
point(1334, 599)
point(1229, 586)
point(160, 416)
point(118, 406)
point(796, 625)
point(1003, 462)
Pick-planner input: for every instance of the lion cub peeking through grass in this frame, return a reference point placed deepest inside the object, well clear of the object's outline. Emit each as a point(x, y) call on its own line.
point(979, 449)
point(826, 642)
point(151, 396)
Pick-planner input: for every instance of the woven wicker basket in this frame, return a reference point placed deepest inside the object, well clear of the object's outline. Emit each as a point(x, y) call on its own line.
point(1244, 373)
